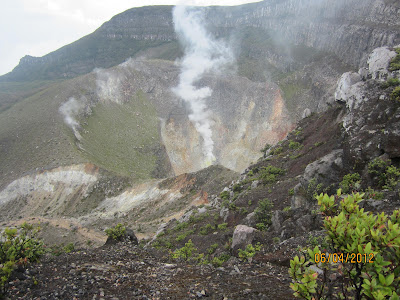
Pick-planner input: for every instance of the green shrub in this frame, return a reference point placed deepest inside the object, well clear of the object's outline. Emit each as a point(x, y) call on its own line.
point(69, 248)
point(206, 229)
point(249, 251)
point(314, 188)
point(294, 145)
point(237, 188)
point(270, 174)
point(117, 232)
point(395, 95)
point(18, 248)
point(386, 175)
point(212, 249)
point(222, 226)
point(276, 151)
point(291, 192)
point(180, 225)
point(185, 252)
point(184, 235)
point(391, 82)
point(263, 212)
point(350, 183)
point(276, 240)
point(287, 208)
point(367, 264)
point(224, 195)
point(372, 194)
point(395, 62)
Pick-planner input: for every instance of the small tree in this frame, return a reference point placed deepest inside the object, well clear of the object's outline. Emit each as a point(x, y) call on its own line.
point(362, 260)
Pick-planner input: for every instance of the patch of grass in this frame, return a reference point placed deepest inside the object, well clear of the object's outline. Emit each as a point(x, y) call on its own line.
point(123, 138)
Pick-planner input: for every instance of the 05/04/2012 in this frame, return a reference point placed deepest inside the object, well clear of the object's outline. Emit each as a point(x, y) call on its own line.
point(344, 258)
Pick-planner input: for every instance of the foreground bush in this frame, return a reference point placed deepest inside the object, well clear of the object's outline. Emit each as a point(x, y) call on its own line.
point(361, 258)
point(18, 248)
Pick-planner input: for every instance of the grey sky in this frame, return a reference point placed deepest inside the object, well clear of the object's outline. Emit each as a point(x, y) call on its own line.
point(37, 27)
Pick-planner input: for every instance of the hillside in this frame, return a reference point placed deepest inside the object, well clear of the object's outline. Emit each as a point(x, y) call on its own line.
point(353, 145)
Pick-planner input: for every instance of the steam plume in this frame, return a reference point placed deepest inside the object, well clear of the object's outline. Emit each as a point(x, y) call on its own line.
point(69, 110)
point(202, 54)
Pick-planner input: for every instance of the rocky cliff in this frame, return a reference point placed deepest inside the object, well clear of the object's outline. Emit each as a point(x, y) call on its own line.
point(348, 29)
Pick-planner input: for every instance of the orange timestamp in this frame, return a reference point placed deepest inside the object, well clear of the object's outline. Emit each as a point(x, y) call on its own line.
point(344, 258)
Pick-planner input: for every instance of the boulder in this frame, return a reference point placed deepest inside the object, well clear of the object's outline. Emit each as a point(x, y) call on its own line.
point(242, 236)
point(250, 219)
point(378, 62)
point(325, 170)
point(350, 90)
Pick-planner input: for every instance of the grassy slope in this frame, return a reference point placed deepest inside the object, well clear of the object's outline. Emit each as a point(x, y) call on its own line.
point(123, 138)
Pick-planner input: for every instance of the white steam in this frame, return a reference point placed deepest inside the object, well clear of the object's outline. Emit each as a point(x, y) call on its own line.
point(108, 84)
point(69, 110)
point(203, 54)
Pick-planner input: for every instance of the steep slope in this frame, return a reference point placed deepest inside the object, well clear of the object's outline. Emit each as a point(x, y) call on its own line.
point(129, 122)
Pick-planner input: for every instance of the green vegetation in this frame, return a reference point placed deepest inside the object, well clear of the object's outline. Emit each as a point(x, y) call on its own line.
point(132, 138)
point(117, 232)
point(263, 213)
point(367, 254)
point(269, 174)
point(395, 62)
point(395, 95)
point(266, 147)
point(224, 195)
point(249, 251)
point(350, 183)
point(276, 151)
point(185, 252)
point(69, 248)
point(294, 145)
point(386, 176)
point(184, 235)
point(18, 247)
point(222, 226)
point(212, 249)
point(391, 82)
point(291, 192)
point(313, 188)
point(206, 229)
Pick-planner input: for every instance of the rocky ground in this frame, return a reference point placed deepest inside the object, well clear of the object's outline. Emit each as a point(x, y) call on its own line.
point(127, 271)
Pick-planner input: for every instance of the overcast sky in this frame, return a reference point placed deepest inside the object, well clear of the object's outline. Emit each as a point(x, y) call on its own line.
point(37, 27)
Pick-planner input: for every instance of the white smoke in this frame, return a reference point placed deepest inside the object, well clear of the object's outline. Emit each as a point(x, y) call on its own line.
point(203, 54)
point(108, 84)
point(69, 110)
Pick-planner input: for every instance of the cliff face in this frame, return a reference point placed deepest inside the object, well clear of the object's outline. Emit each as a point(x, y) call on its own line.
point(349, 29)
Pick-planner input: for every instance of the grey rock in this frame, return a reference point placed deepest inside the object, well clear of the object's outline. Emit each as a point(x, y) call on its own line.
point(242, 236)
point(325, 170)
point(306, 113)
point(250, 219)
point(378, 62)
